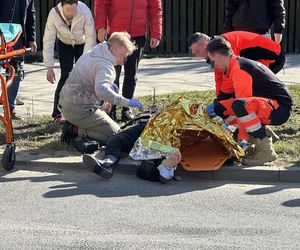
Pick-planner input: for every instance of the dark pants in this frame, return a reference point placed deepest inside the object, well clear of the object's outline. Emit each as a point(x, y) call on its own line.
point(18, 63)
point(66, 56)
point(278, 64)
point(124, 140)
point(130, 68)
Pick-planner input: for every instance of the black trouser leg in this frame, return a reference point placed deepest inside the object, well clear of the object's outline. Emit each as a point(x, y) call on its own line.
point(278, 64)
point(118, 69)
point(124, 140)
point(280, 115)
point(131, 67)
point(66, 55)
point(219, 109)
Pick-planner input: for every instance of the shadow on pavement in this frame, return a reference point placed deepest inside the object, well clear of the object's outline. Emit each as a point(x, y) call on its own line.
point(292, 203)
point(277, 188)
point(120, 185)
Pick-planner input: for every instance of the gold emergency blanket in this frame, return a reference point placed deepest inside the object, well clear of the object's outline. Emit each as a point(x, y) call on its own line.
point(177, 126)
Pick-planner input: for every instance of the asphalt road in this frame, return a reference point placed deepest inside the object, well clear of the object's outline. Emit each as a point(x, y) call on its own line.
point(67, 209)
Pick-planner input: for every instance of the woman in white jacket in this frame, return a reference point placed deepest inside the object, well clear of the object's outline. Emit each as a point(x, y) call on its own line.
point(70, 23)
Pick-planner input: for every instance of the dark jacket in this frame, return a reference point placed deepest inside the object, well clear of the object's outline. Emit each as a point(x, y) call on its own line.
point(256, 16)
point(26, 12)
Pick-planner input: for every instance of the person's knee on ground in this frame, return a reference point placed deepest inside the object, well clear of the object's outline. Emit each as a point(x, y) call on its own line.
point(69, 133)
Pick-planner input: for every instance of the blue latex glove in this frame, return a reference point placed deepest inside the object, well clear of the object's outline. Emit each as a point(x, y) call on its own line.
point(244, 144)
point(135, 103)
point(210, 110)
point(220, 121)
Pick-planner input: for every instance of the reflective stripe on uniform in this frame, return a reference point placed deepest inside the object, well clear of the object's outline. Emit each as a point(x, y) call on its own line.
point(247, 118)
point(253, 128)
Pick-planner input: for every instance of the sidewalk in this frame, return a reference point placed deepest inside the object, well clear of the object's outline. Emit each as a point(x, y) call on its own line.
point(166, 75)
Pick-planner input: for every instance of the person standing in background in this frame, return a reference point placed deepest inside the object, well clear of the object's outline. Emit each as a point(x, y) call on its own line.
point(70, 23)
point(255, 16)
point(132, 17)
point(23, 13)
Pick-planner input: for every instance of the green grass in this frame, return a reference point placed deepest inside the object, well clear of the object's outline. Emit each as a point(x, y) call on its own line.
point(41, 133)
point(38, 133)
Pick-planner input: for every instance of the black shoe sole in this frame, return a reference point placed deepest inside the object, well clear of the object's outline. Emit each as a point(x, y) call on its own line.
point(92, 163)
point(163, 180)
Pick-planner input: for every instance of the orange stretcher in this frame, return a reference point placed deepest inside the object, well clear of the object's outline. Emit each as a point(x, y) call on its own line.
point(213, 155)
point(9, 35)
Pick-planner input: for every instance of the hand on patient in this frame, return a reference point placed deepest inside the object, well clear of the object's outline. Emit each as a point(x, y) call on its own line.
point(135, 103)
point(172, 160)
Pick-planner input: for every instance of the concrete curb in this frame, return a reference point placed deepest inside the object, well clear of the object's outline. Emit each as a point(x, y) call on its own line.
point(65, 160)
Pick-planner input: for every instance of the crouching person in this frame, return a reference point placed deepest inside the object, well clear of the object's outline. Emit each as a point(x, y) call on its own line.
point(90, 81)
point(260, 99)
point(158, 170)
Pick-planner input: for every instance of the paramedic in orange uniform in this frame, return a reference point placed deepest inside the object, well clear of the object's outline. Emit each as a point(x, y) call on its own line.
point(245, 44)
point(260, 99)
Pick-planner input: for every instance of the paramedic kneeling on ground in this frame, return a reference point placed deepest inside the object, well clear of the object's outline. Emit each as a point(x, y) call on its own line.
point(260, 99)
point(89, 82)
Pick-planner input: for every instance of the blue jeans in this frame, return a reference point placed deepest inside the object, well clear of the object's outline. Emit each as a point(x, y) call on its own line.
point(13, 89)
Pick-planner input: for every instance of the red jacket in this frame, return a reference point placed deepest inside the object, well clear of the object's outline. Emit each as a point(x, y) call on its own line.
point(131, 16)
point(252, 46)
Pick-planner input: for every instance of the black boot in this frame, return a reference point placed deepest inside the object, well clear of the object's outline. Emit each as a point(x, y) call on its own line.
point(104, 167)
point(127, 114)
point(67, 134)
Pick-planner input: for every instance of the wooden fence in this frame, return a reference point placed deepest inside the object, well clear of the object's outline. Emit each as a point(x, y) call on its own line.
point(184, 17)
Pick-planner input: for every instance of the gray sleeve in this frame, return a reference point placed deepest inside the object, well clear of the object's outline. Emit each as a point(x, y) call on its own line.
point(103, 81)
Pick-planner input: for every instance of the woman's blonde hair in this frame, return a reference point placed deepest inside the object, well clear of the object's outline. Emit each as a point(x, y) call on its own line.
point(122, 38)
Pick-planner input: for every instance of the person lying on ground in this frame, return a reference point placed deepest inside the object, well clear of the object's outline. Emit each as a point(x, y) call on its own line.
point(158, 170)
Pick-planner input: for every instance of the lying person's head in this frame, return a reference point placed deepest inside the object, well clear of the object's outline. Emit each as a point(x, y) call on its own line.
point(219, 51)
point(120, 46)
point(69, 8)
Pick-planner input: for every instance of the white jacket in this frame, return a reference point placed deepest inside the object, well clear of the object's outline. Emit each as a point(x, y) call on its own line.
point(91, 79)
point(82, 31)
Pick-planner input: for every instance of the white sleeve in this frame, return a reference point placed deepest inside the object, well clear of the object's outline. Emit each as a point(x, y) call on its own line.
point(49, 40)
point(89, 31)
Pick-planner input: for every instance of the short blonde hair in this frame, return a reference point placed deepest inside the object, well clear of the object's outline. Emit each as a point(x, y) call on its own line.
point(123, 39)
